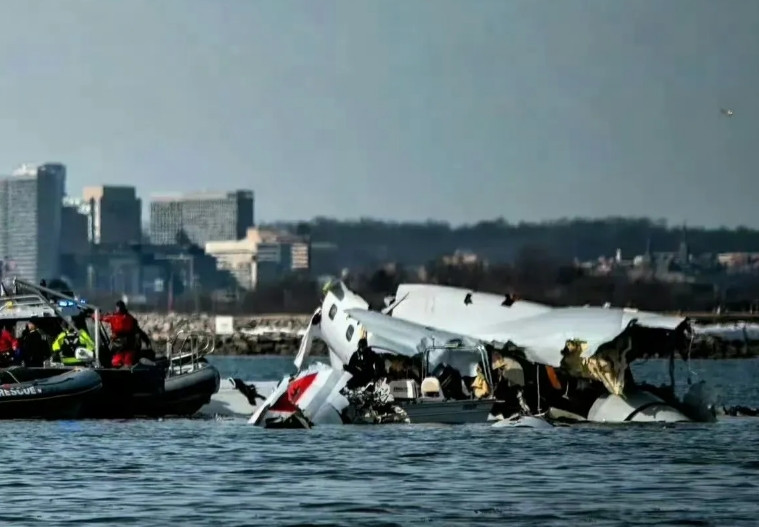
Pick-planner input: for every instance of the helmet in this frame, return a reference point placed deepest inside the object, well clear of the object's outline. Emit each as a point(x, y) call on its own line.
point(84, 355)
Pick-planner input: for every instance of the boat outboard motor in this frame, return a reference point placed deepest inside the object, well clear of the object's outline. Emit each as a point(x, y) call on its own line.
point(450, 381)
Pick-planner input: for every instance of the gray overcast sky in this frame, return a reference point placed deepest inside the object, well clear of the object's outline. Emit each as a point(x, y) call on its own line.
point(398, 109)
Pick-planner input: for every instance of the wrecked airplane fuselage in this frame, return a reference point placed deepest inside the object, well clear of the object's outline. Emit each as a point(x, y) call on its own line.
point(425, 388)
point(569, 364)
point(311, 396)
point(574, 357)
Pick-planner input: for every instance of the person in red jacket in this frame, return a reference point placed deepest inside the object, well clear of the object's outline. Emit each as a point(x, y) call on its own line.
point(8, 346)
point(124, 329)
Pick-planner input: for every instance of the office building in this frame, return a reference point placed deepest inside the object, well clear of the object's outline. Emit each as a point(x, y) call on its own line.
point(114, 215)
point(30, 221)
point(74, 228)
point(261, 257)
point(201, 217)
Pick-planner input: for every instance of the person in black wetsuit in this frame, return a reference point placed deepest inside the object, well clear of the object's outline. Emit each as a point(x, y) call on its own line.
point(365, 365)
point(34, 348)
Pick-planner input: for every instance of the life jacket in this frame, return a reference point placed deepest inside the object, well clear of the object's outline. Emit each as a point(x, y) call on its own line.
point(122, 324)
point(71, 341)
point(480, 385)
point(7, 341)
point(66, 343)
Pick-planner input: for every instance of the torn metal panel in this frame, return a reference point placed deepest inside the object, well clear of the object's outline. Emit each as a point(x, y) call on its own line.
point(269, 408)
point(540, 331)
point(404, 337)
point(544, 336)
point(311, 397)
point(609, 365)
point(458, 309)
point(313, 331)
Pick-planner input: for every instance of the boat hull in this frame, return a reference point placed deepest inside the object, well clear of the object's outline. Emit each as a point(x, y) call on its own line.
point(448, 412)
point(62, 396)
point(183, 395)
point(143, 391)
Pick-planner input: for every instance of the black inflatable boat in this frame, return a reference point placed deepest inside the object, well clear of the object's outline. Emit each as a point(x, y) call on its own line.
point(143, 390)
point(183, 394)
point(177, 385)
point(24, 395)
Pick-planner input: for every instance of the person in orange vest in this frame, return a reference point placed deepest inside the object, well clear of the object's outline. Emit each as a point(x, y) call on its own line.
point(124, 333)
point(8, 346)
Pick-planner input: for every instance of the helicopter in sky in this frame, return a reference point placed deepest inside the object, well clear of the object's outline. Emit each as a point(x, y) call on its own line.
point(727, 112)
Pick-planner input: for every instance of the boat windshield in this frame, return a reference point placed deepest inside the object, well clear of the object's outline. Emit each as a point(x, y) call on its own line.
point(463, 359)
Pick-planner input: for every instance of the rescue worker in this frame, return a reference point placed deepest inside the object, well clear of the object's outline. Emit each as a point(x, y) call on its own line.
point(479, 385)
point(365, 366)
point(124, 336)
point(33, 347)
point(8, 346)
point(66, 343)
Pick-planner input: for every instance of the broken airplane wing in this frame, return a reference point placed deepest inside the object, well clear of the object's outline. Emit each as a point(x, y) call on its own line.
point(544, 336)
point(401, 336)
point(540, 330)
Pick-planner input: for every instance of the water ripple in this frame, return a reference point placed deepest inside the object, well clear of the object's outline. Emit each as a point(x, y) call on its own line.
point(196, 472)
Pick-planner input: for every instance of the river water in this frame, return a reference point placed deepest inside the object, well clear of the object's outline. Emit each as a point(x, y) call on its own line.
point(225, 472)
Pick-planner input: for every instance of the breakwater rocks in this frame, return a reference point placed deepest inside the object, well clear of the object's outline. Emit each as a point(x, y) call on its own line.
point(251, 335)
point(281, 335)
point(727, 340)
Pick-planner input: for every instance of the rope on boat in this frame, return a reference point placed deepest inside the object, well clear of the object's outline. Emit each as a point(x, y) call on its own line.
point(15, 379)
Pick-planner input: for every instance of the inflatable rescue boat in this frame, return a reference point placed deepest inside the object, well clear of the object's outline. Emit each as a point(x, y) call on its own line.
point(61, 396)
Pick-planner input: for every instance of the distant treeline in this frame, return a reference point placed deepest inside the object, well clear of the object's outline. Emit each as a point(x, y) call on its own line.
point(533, 276)
point(367, 241)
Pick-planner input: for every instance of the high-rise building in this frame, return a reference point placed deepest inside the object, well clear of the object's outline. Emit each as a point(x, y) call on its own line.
point(201, 217)
point(114, 213)
point(74, 227)
point(263, 256)
point(30, 221)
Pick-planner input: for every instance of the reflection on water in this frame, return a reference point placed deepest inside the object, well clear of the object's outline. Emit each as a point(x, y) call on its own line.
point(203, 472)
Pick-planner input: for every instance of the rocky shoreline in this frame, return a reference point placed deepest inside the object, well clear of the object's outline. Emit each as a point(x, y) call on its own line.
point(252, 335)
point(280, 334)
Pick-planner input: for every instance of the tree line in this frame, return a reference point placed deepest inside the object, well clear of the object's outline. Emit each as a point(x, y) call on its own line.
point(372, 242)
point(534, 275)
point(532, 260)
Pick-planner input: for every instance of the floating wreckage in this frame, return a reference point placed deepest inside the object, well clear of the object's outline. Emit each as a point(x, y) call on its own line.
point(584, 353)
point(440, 354)
point(236, 398)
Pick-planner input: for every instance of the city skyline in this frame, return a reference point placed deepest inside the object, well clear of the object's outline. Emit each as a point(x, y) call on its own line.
point(157, 198)
point(400, 110)
point(96, 241)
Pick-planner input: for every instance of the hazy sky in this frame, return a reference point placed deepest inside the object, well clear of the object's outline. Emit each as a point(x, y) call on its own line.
point(458, 110)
